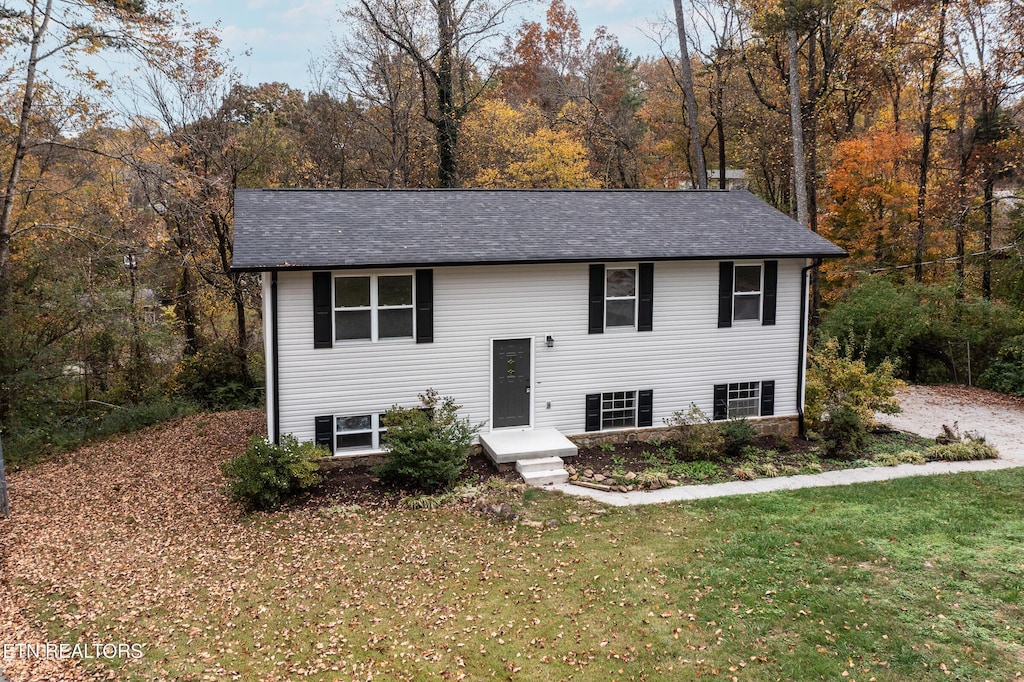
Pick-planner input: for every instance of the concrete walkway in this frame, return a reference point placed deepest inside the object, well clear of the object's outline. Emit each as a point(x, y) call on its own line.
point(926, 409)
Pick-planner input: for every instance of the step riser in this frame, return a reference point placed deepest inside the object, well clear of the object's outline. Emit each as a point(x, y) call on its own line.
point(543, 464)
point(542, 478)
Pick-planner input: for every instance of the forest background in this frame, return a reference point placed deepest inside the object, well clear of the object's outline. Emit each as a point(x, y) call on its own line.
point(893, 128)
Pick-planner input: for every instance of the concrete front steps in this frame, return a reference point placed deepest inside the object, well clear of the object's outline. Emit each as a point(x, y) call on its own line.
point(537, 453)
point(542, 471)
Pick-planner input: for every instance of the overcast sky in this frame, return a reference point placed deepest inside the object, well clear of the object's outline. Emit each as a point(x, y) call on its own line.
point(281, 36)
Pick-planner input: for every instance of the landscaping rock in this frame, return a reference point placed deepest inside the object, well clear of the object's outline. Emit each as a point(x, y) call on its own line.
point(599, 477)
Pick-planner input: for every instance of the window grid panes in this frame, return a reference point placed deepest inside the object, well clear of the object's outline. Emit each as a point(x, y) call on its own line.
point(373, 307)
point(353, 432)
point(618, 409)
point(620, 297)
point(358, 432)
point(747, 292)
point(745, 399)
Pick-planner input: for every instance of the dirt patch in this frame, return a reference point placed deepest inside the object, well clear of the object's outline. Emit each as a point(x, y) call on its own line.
point(998, 417)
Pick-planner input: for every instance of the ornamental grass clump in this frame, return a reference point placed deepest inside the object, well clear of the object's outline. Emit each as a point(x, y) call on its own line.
point(267, 474)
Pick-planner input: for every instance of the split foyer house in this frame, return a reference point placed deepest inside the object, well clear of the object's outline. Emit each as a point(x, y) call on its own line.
point(575, 310)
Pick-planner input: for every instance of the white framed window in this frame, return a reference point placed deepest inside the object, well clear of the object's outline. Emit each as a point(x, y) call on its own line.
point(618, 410)
point(357, 432)
point(744, 399)
point(620, 297)
point(746, 288)
point(373, 307)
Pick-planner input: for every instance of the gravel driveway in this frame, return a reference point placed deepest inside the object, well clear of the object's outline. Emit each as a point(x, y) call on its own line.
point(997, 417)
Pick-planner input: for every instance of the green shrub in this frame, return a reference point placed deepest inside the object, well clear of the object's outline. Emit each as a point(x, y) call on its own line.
point(923, 328)
point(217, 377)
point(845, 432)
point(698, 437)
point(961, 452)
point(736, 435)
point(266, 474)
point(427, 448)
point(837, 379)
point(1006, 372)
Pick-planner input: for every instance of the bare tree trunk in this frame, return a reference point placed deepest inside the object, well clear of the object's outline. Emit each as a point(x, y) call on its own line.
point(690, 102)
point(926, 143)
point(986, 263)
point(20, 150)
point(797, 128)
point(447, 122)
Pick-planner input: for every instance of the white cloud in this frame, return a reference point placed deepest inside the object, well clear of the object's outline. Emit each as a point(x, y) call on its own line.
point(238, 38)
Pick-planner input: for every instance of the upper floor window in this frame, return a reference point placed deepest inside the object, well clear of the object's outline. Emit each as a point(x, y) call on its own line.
point(747, 292)
point(620, 297)
point(373, 307)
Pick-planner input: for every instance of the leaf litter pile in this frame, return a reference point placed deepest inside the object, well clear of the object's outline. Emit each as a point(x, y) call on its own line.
point(132, 541)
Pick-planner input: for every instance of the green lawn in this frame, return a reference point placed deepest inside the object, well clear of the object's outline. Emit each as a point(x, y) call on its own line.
point(916, 579)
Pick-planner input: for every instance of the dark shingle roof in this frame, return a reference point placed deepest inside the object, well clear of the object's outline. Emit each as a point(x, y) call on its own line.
point(303, 229)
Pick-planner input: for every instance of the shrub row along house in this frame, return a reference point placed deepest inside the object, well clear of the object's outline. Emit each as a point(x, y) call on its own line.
point(539, 311)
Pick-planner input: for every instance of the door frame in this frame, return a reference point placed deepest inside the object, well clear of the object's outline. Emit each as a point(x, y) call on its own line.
point(490, 382)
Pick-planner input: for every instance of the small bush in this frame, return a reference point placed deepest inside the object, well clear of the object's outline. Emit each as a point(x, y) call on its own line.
point(265, 475)
point(736, 435)
point(427, 448)
point(845, 432)
point(836, 379)
point(216, 377)
point(698, 436)
point(961, 452)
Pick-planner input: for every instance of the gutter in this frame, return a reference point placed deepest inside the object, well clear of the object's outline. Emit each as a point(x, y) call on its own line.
point(802, 350)
point(276, 391)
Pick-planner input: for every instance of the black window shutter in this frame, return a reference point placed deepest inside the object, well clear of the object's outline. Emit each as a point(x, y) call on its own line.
point(594, 412)
point(645, 318)
point(322, 310)
point(325, 432)
point(771, 285)
point(725, 294)
point(767, 398)
point(645, 408)
point(596, 299)
point(721, 401)
point(424, 306)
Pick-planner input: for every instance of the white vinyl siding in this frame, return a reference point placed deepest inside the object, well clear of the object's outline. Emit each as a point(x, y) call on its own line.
point(685, 355)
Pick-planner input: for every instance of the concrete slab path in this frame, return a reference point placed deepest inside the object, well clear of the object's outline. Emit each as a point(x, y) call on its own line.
point(925, 410)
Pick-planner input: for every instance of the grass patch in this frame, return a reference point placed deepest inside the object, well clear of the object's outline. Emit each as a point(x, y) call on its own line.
point(901, 580)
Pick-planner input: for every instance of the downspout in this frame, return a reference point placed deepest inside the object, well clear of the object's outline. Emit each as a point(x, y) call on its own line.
point(275, 394)
point(802, 350)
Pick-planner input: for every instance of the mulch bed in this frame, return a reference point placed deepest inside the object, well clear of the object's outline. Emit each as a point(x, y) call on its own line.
point(359, 486)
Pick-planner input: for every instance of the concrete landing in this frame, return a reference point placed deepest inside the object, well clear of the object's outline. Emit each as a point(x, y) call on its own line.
point(504, 447)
